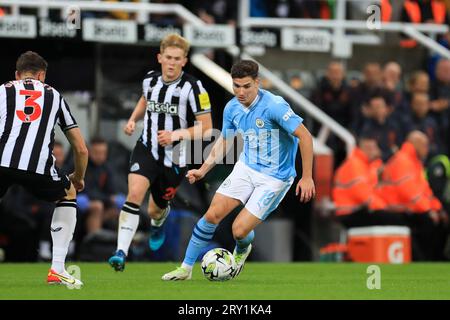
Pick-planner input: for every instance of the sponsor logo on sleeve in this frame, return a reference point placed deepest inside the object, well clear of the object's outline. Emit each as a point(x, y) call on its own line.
point(288, 114)
point(205, 104)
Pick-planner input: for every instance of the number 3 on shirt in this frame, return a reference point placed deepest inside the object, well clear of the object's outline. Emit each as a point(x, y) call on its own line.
point(30, 102)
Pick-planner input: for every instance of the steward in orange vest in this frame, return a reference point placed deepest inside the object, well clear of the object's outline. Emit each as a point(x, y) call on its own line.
point(356, 178)
point(406, 191)
point(404, 187)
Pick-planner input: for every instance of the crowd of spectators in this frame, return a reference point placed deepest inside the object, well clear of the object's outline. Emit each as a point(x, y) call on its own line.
point(406, 118)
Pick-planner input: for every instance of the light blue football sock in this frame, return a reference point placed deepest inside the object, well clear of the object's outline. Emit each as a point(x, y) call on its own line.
point(242, 244)
point(201, 236)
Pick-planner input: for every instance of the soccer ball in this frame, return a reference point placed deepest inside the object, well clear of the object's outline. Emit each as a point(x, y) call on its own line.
point(218, 265)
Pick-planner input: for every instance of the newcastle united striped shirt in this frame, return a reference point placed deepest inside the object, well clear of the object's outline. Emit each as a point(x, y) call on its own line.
point(29, 111)
point(169, 107)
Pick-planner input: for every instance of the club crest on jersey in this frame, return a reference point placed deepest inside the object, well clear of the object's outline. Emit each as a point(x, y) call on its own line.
point(259, 123)
point(135, 167)
point(158, 107)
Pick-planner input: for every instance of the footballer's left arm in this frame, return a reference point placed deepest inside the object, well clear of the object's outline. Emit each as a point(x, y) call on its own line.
point(306, 184)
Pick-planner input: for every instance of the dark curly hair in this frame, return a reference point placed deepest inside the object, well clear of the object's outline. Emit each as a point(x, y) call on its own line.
point(245, 68)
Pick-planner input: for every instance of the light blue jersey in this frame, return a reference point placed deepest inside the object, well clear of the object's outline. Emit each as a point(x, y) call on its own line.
point(267, 128)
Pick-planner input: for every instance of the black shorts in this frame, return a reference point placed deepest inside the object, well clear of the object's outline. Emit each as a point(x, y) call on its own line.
point(164, 181)
point(41, 186)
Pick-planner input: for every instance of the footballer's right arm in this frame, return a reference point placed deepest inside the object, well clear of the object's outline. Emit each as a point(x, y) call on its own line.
point(137, 115)
point(305, 187)
point(219, 150)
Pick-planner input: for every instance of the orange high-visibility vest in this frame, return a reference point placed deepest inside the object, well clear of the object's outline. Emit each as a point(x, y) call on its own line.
point(354, 185)
point(439, 11)
point(386, 11)
point(403, 185)
point(413, 10)
point(2, 12)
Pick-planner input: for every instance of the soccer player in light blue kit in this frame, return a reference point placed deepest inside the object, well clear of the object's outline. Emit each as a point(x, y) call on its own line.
point(272, 132)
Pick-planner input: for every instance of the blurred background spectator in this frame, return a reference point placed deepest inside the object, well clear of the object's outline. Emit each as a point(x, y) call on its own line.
point(371, 83)
point(440, 98)
point(99, 201)
point(422, 120)
point(307, 9)
point(379, 122)
point(392, 82)
point(121, 15)
point(215, 12)
point(333, 96)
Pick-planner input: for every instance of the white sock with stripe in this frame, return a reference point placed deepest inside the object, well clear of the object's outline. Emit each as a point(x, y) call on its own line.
point(62, 227)
point(128, 224)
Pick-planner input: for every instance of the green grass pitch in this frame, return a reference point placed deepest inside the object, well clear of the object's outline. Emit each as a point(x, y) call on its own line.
point(266, 281)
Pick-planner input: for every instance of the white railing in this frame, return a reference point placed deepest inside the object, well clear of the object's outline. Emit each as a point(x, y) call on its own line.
point(346, 24)
point(427, 41)
point(133, 7)
point(413, 30)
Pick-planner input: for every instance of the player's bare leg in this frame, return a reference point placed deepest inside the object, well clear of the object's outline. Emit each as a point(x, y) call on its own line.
point(158, 216)
point(243, 233)
point(94, 219)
